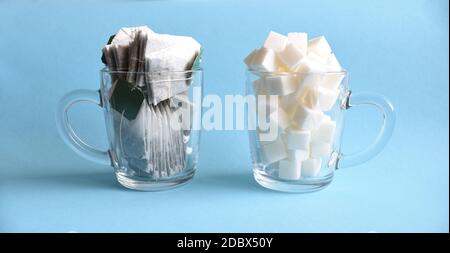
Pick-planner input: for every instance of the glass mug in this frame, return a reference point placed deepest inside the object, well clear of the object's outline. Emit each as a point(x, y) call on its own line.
point(306, 151)
point(152, 146)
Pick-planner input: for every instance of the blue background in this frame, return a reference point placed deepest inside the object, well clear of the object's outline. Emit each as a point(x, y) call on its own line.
point(396, 48)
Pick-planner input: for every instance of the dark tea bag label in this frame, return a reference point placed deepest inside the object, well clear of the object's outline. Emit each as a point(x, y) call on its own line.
point(126, 99)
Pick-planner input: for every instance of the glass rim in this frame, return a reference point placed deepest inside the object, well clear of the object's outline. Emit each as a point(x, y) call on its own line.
point(255, 71)
point(194, 70)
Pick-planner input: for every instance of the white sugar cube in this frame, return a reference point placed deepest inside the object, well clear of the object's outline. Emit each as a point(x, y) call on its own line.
point(289, 102)
point(258, 87)
point(319, 46)
point(274, 151)
point(289, 169)
point(319, 149)
point(327, 98)
point(306, 118)
point(321, 60)
point(311, 167)
point(309, 65)
point(264, 60)
point(298, 155)
point(280, 85)
point(318, 98)
point(279, 118)
point(275, 41)
point(291, 56)
point(326, 118)
point(325, 132)
point(300, 40)
point(298, 139)
point(332, 80)
point(249, 58)
point(310, 97)
point(333, 64)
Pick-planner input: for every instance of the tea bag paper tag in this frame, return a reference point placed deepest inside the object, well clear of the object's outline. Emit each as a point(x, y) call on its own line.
point(126, 99)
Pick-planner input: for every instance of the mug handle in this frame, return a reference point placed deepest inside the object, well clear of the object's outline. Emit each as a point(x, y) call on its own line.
point(68, 134)
point(385, 133)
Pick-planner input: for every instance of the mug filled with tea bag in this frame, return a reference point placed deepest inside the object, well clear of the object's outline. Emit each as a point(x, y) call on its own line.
point(150, 92)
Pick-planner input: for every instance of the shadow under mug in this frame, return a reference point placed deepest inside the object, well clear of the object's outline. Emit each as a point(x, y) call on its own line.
point(146, 149)
point(305, 154)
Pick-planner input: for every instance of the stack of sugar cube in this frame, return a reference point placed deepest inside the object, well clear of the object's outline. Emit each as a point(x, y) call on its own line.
point(305, 75)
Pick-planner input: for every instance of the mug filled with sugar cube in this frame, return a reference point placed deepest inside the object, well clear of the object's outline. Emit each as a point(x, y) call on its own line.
point(150, 93)
point(301, 97)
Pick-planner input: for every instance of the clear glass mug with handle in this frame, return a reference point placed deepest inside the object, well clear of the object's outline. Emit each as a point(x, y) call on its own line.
point(298, 149)
point(153, 126)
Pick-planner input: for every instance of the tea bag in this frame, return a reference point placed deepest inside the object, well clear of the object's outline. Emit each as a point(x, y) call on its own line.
point(167, 57)
point(164, 58)
point(137, 58)
point(148, 143)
